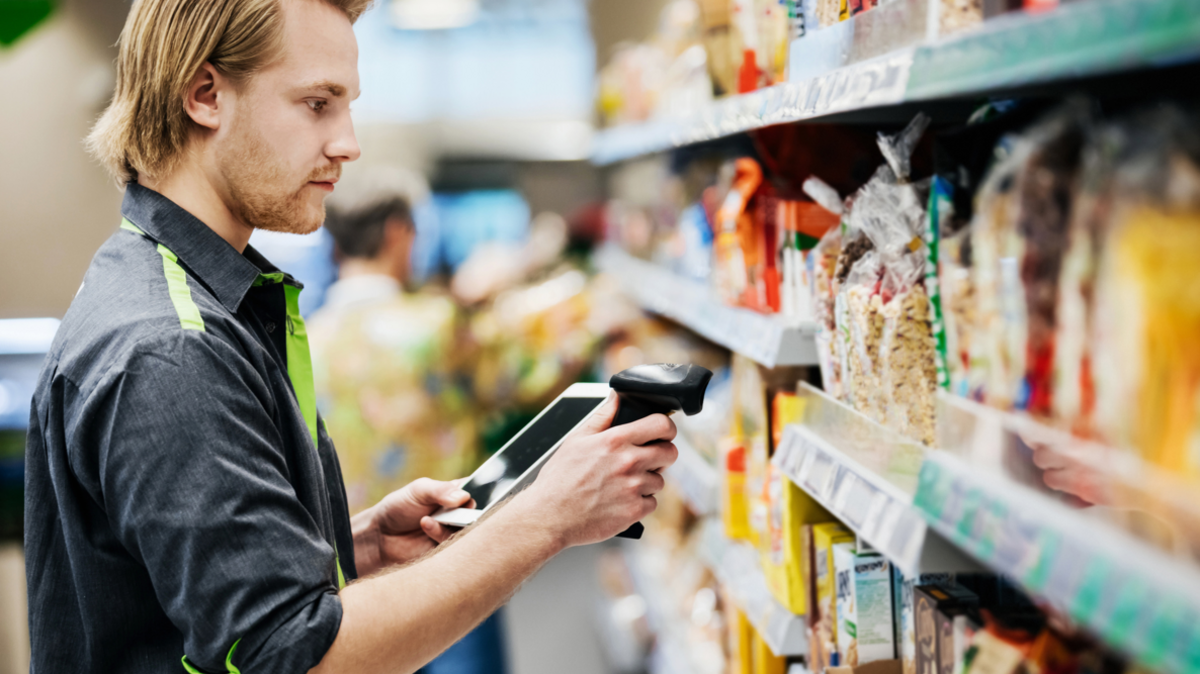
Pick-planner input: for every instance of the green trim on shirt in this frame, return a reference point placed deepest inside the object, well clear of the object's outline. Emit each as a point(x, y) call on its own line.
point(177, 287)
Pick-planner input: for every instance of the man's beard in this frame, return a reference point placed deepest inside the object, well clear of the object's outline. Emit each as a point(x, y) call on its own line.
point(261, 194)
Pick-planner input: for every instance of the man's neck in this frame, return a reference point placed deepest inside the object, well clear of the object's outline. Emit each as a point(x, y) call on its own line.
point(193, 192)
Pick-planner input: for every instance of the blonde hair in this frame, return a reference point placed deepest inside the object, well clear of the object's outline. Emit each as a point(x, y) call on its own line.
point(145, 128)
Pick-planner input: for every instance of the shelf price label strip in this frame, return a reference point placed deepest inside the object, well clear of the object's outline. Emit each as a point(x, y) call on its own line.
point(876, 82)
point(692, 304)
point(1081, 39)
point(1133, 596)
point(877, 511)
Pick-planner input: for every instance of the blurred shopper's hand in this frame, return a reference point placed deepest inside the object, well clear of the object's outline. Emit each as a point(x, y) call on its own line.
point(603, 479)
point(398, 529)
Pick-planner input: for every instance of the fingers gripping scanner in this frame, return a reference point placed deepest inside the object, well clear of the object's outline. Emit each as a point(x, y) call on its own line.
point(657, 389)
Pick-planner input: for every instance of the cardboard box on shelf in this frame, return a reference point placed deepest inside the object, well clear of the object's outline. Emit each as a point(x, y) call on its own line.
point(766, 662)
point(878, 667)
point(741, 638)
point(823, 618)
point(790, 511)
point(733, 489)
point(865, 631)
point(934, 605)
point(902, 608)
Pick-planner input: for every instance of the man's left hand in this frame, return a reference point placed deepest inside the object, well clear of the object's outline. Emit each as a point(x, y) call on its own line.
point(399, 528)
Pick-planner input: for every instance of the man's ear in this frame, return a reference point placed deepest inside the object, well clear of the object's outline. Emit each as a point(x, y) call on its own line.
point(204, 96)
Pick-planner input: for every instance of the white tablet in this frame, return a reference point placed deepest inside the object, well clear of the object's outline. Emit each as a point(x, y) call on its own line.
point(517, 463)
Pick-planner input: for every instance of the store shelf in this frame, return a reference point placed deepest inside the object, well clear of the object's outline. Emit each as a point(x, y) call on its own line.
point(736, 565)
point(670, 653)
point(765, 339)
point(866, 476)
point(1081, 39)
point(1085, 560)
point(695, 477)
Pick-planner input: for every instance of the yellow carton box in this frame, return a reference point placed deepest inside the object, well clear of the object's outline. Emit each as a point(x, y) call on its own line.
point(785, 559)
point(824, 619)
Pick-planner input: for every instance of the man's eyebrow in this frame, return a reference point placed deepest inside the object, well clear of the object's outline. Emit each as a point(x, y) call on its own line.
point(336, 90)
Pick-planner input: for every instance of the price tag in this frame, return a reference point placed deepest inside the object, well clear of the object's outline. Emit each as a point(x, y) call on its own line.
point(1123, 621)
point(1038, 559)
point(859, 502)
point(971, 498)
point(933, 488)
point(1091, 589)
point(871, 525)
point(1166, 622)
point(888, 524)
point(810, 458)
point(844, 488)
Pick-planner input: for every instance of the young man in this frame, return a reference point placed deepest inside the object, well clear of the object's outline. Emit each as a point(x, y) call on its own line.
point(183, 500)
point(393, 369)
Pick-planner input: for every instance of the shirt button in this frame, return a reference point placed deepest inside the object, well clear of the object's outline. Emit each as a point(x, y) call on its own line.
point(270, 326)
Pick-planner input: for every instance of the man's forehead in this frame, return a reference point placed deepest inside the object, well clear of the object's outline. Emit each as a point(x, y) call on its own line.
point(320, 50)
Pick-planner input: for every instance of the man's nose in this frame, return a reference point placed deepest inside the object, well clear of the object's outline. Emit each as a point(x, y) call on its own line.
point(344, 146)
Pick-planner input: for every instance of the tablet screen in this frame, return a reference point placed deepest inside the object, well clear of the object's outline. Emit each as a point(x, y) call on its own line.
point(498, 474)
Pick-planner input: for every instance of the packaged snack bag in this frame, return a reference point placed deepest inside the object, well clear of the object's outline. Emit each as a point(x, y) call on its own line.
point(734, 231)
point(823, 620)
point(996, 336)
point(825, 257)
point(883, 309)
point(1147, 308)
point(1044, 191)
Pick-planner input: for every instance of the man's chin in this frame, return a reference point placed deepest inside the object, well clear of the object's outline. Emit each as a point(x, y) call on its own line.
point(305, 221)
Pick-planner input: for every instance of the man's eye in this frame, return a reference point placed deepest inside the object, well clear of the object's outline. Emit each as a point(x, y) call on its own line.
point(317, 106)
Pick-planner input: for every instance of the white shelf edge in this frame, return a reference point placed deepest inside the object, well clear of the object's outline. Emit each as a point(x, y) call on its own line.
point(874, 509)
point(736, 566)
point(765, 339)
point(872, 83)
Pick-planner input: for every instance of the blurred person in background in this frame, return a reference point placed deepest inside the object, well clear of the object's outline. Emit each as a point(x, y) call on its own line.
point(392, 368)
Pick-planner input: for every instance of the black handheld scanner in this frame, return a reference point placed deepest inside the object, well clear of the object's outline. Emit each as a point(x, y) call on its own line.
point(657, 389)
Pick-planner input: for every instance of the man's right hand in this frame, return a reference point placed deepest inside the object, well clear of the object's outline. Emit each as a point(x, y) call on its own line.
point(603, 479)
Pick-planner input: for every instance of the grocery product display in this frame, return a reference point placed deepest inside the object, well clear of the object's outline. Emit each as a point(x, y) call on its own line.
point(921, 276)
point(989, 462)
point(892, 54)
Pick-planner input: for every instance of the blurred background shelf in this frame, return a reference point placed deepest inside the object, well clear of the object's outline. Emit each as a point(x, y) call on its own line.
point(866, 475)
point(765, 339)
point(840, 73)
point(736, 566)
point(669, 654)
point(695, 477)
point(1112, 545)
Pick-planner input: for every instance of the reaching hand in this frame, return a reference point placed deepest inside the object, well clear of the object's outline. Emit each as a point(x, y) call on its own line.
point(603, 479)
point(398, 529)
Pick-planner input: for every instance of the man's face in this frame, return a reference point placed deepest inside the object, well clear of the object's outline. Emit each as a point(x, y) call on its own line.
point(290, 130)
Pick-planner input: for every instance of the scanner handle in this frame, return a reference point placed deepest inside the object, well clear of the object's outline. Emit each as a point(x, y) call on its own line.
point(631, 409)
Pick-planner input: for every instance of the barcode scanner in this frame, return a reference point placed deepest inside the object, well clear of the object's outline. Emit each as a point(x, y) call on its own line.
point(657, 389)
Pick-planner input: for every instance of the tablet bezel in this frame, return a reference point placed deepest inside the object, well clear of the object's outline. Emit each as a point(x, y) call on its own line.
point(461, 517)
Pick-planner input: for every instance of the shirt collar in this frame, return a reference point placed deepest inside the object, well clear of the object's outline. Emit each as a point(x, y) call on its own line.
point(211, 259)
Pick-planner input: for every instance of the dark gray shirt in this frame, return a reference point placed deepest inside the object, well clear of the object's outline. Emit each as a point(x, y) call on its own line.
point(179, 514)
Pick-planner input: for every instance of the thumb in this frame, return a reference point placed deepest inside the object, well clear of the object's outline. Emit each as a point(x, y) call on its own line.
point(602, 418)
point(429, 492)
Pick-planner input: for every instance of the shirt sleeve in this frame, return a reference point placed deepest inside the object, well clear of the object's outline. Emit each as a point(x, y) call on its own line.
point(194, 478)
